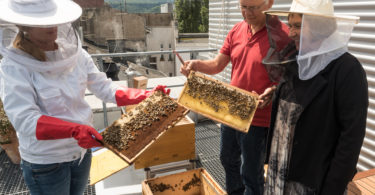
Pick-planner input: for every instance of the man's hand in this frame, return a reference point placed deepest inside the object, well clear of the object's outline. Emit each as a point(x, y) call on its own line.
point(188, 66)
point(266, 98)
point(210, 67)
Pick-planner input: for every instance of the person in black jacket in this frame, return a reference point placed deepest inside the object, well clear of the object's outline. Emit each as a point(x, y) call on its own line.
point(319, 112)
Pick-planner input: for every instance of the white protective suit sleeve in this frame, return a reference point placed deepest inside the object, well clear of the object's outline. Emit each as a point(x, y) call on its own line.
point(20, 105)
point(98, 83)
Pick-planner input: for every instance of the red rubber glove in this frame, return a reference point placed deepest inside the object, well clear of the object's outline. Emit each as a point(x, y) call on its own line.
point(130, 96)
point(50, 128)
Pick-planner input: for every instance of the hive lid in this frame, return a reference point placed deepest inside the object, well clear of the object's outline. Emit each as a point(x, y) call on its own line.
point(100, 168)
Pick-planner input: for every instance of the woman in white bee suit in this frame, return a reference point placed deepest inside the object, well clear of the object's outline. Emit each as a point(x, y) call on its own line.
point(43, 77)
point(318, 118)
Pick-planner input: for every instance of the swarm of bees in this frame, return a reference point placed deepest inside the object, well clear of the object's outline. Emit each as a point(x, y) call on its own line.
point(195, 181)
point(126, 130)
point(212, 93)
point(161, 187)
point(6, 128)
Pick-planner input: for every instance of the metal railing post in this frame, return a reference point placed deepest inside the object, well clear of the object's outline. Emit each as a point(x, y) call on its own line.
point(101, 66)
point(105, 115)
point(194, 55)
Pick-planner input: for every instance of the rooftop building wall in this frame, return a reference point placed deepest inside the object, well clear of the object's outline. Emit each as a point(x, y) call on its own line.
point(90, 3)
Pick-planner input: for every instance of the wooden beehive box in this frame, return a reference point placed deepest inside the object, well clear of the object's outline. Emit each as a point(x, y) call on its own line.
point(177, 144)
point(135, 131)
point(193, 182)
point(362, 183)
point(219, 101)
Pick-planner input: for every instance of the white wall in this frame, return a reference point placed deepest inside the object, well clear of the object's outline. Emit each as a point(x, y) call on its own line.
point(166, 8)
point(164, 36)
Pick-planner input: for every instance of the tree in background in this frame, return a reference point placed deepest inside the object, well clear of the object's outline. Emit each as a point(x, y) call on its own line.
point(182, 15)
point(203, 27)
point(192, 15)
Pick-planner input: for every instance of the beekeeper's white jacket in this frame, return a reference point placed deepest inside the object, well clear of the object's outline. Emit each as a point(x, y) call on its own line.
point(29, 91)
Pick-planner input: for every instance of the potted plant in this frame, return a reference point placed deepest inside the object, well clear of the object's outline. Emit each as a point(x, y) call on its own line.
point(8, 137)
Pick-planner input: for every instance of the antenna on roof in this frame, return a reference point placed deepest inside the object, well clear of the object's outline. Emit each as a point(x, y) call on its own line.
point(125, 7)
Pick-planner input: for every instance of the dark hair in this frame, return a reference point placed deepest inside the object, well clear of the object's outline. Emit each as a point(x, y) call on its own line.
point(315, 22)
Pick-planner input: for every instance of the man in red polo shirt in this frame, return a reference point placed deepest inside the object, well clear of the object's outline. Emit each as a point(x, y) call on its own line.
point(245, 46)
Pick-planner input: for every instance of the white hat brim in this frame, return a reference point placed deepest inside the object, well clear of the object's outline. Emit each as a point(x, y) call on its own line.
point(66, 12)
point(286, 13)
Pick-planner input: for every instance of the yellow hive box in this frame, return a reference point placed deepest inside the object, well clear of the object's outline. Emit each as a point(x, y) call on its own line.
point(177, 144)
point(219, 101)
point(193, 182)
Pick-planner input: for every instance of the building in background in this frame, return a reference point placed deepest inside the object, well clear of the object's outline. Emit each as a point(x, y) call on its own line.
point(90, 3)
point(120, 32)
point(166, 8)
point(161, 36)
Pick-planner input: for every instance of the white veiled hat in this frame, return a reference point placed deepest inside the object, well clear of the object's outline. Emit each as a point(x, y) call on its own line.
point(39, 13)
point(312, 7)
point(323, 36)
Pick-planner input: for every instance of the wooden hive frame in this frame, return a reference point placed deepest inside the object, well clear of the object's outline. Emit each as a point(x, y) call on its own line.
point(223, 116)
point(148, 135)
